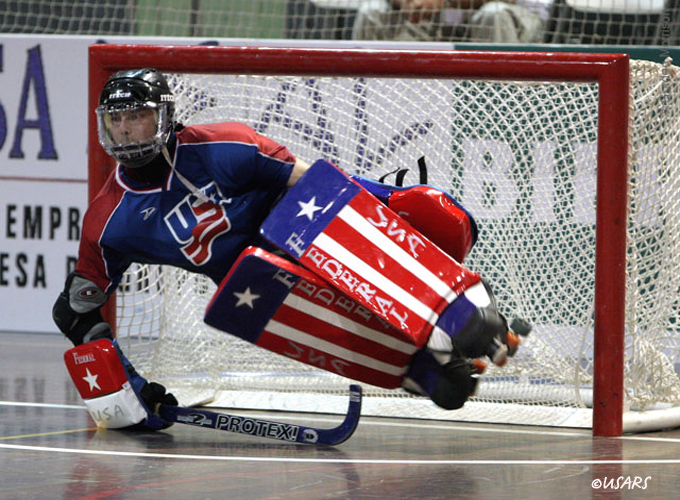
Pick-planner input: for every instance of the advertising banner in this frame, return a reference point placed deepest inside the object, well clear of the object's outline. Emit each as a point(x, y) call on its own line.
point(43, 173)
point(43, 170)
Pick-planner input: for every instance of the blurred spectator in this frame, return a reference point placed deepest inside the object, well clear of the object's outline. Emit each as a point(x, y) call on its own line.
point(508, 21)
point(320, 19)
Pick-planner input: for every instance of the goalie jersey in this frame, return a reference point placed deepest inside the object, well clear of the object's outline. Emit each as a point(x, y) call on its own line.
point(224, 181)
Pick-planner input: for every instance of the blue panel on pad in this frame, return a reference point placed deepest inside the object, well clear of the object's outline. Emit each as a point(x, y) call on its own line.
point(308, 207)
point(248, 299)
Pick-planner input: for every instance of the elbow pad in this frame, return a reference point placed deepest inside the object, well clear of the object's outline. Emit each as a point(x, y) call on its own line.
point(76, 311)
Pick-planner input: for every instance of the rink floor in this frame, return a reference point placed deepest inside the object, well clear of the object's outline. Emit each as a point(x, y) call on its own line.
point(49, 449)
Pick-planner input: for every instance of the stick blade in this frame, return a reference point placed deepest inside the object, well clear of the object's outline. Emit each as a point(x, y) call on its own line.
point(341, 433)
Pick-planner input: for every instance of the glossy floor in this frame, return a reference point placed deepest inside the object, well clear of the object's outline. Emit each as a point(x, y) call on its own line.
point(49, 449)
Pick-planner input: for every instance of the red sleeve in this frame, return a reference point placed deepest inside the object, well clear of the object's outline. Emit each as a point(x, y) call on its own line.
point(236, 132)
point(91, 261)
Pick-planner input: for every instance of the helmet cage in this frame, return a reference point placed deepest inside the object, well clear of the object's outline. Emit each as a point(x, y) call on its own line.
point(133, 154)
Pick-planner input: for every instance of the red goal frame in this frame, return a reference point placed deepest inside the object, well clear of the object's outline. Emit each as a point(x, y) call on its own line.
point(610, 71)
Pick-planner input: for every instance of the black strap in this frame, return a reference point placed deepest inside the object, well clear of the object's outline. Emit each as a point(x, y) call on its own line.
point(382, 179)
point(422, 170)
point(401, 174)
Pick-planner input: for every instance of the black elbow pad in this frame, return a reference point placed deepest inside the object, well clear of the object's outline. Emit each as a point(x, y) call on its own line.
point(63, 316)
point(76, 311)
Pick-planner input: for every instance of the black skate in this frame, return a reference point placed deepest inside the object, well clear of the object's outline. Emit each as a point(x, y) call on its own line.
point(504, 347)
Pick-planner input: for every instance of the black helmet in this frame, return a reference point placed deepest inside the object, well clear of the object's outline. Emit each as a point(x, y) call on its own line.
point(142, 95)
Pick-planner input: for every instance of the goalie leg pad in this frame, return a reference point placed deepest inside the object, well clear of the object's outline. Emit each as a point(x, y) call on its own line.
point(111, 390)
point(336, 228)
point(284, 308)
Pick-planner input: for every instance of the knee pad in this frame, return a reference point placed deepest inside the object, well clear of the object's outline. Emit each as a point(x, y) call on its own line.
point(438, 216)
point(432, 212)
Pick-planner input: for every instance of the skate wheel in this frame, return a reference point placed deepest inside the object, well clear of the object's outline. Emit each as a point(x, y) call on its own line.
point(512, 341)
point(500, 357)
point(521, 327)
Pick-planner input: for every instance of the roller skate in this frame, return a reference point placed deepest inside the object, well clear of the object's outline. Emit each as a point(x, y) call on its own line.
point(469, 331)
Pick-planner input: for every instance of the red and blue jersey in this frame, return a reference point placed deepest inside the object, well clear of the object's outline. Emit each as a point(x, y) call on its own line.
point(224, 181)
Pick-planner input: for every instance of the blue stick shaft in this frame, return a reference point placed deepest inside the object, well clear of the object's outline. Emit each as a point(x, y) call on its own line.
point(292, 433)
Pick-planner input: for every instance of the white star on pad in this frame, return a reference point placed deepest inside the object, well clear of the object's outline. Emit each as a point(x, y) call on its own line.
point(246, 298)
point(308, 208)
point(92, 380)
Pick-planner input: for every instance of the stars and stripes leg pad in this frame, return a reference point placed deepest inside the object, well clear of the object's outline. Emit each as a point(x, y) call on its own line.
point(337, 229)
point(280, 306)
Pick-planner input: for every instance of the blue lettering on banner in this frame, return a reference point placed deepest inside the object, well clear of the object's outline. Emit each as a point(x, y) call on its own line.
point(487, 167)
point(35, 78)
point(361, 153)
point(367, 160)
point(320, 134)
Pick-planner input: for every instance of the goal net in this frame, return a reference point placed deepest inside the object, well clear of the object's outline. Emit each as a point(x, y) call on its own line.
point(568, 162)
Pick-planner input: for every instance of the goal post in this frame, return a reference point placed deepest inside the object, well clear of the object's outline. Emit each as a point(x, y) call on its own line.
point(547, 76)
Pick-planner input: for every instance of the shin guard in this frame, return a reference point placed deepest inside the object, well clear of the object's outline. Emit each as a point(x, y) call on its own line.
point(337, 229)
point(284, 308)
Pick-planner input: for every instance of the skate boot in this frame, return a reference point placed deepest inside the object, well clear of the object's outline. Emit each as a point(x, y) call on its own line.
point(472, 327)
point(448, 368)
point(448, 384)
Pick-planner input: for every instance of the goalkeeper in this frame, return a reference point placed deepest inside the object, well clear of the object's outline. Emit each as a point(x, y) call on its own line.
point(195, 197)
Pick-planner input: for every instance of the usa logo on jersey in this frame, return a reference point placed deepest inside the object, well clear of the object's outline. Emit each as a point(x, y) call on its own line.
point(196, 221)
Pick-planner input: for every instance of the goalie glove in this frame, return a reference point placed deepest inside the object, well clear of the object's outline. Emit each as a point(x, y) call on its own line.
point(115, 395)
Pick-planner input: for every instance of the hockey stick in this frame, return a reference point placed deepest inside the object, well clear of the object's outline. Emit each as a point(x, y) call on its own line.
point(264, 428)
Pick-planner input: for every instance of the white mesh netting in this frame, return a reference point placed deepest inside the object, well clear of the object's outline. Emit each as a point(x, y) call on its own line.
point(623, 22)
point(522, 158)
